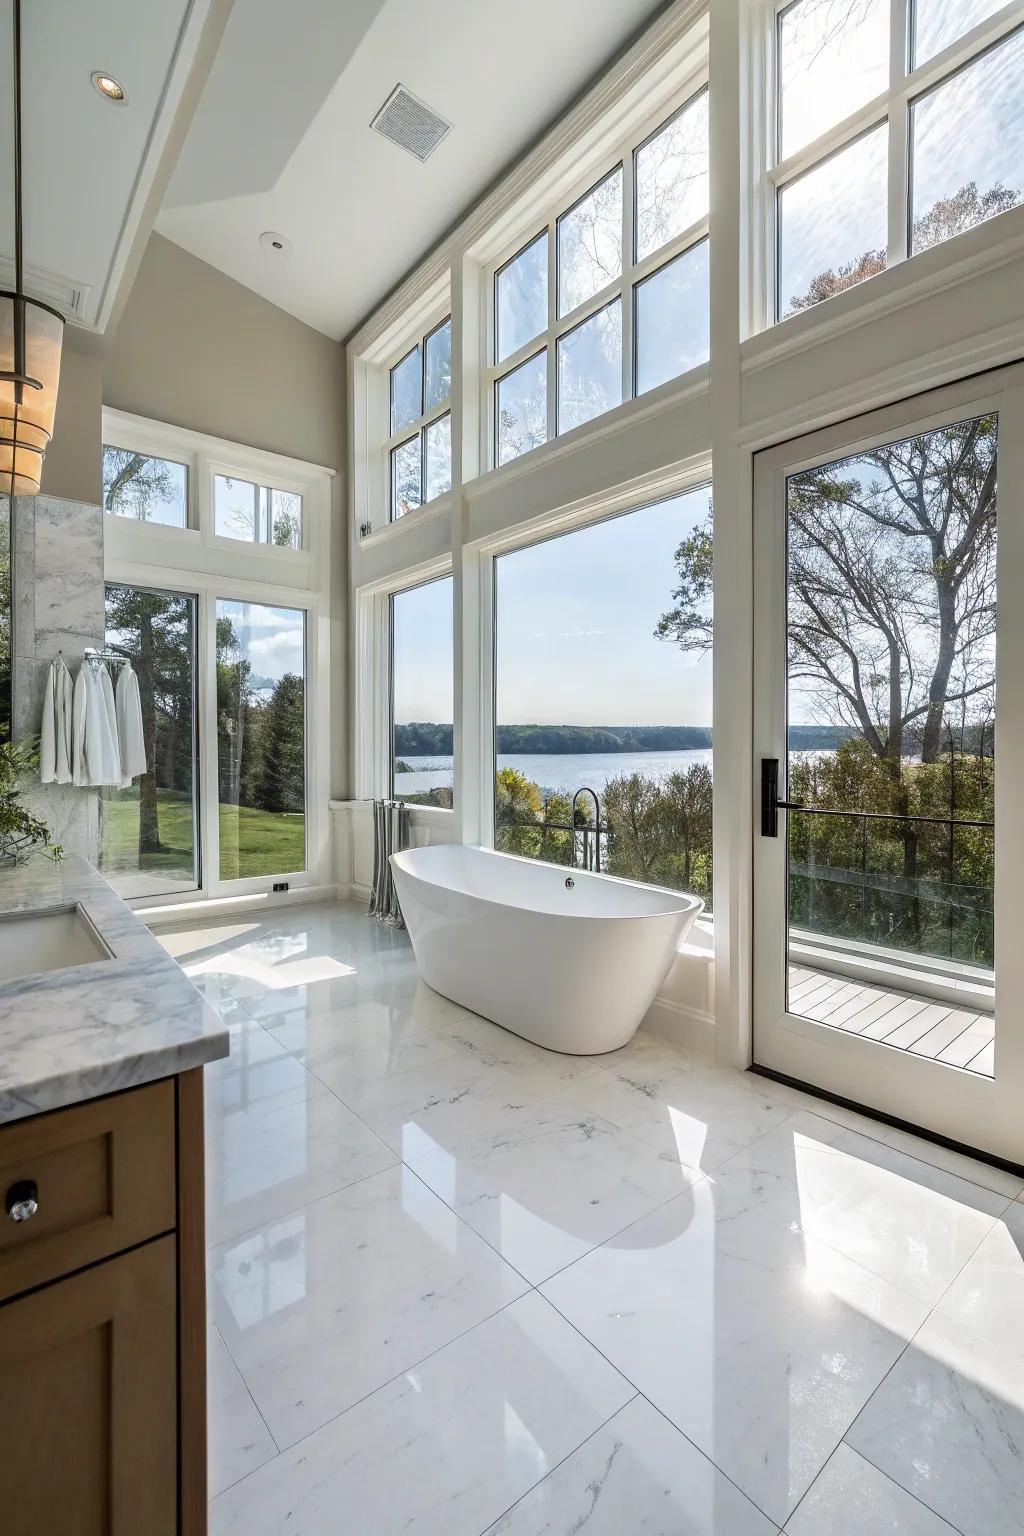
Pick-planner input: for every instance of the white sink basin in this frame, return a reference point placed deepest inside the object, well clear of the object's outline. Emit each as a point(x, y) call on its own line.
point(47, 941)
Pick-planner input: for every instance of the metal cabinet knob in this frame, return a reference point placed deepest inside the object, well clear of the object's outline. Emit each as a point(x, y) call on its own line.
point(22, 1200)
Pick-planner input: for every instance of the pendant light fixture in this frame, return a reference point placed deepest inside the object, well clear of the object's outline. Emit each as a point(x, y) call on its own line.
point(31, 335)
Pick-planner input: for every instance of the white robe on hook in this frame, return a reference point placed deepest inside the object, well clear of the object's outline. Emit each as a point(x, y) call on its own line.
point(129, 726)
point(96, 759)
point(55, 734)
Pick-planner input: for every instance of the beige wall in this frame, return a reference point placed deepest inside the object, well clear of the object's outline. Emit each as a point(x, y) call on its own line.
point(195, 348)
point(71, 468)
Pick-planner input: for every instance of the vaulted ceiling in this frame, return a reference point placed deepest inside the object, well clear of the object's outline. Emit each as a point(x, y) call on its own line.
point(281, 139)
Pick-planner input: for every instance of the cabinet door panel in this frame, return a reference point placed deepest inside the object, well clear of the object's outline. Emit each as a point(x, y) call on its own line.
point(88, 1409)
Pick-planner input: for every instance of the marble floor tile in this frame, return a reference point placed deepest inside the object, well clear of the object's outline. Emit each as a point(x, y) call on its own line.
point(762, 1345)
point(700, 1117)
point(908, 1222)
point(852, 1498)
point(947, 1424)
point(369, 1024)
point(965, 1167)
point(439, 1097)
point(987, 1296)
point(271, 1155)
point(446, 1447)
point(257, 1068)
point(239, 1440)
point(327, 1304)
point(499, 1179)
point(636, 1475)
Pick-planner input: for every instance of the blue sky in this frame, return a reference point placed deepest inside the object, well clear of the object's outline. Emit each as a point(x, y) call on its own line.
point(575, 630)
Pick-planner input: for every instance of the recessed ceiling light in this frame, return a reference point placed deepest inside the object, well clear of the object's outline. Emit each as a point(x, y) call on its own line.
point(276, 244)
point(108, 87)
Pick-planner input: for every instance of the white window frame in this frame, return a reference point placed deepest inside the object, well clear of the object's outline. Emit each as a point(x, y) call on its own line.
point(424, 420)
point(892, 106)
point(194, 561)
point(623, 288)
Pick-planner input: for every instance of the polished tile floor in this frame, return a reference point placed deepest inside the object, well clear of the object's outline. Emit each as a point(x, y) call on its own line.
point(459, 1285)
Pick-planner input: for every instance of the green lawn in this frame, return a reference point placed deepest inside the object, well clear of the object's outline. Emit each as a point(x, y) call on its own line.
point(251, 842)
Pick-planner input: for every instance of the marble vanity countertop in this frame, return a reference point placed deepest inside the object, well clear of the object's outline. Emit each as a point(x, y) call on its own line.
point(77, 1033)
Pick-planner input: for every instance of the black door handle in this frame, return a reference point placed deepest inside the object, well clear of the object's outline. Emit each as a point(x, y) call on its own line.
point(771, 805)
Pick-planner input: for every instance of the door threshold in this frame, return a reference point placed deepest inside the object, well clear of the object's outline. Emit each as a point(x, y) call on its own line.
point(1003, 1163)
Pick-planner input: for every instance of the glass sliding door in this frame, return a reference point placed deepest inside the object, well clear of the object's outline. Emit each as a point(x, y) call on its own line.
point(877, 885)
point(261, 739)
point(148, 842)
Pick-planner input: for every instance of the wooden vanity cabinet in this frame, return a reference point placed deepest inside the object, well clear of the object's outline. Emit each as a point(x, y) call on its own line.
point(102, 1317)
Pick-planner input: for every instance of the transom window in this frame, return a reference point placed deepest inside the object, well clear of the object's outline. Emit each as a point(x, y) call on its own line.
point(420, 444)
point(880, 154)
point(144, 488)
point(258, 514)
point(610, 298)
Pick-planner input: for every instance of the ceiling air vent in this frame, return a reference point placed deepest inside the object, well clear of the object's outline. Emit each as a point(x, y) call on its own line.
point(409, 123)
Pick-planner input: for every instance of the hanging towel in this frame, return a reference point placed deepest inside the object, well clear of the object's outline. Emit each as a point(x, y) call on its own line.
point(55, 733)
point(111, 745)
point(129, 726)
point(95, 757)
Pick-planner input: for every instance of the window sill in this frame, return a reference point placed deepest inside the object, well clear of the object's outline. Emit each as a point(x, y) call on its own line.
point(436, 508)
point(976, 251)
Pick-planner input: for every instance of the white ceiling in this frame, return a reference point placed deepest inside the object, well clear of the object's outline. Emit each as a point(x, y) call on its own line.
point(281, 137)
point(88, 164)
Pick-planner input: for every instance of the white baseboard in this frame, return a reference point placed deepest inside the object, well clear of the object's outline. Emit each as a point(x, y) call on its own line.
point(209, 908)
point(691, 1029)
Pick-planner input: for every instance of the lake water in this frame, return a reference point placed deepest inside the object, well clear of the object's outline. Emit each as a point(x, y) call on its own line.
point(555, 772)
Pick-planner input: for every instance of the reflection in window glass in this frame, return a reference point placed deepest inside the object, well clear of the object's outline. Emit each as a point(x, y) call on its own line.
point(967, 140)
point(603, 636)
point(521, 409)
point(833, 224)
point(406, 475)
point(937, 23)
point(148, 840)
point(672, 178)
point(590, 244)
point(406, 390)
point(438, 467)
point(521, 298)
point(673, 322)
point(422, 694)
point(590, 368)
point(832, 59)
point(146, 489)
point(256, 513)
point(261, 739)
point(439, 366)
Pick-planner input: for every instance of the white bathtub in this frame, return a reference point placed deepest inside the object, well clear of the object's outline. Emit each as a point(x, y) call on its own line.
point(569, 960)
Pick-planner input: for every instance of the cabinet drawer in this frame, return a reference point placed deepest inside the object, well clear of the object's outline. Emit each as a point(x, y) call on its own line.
point(105, 1173)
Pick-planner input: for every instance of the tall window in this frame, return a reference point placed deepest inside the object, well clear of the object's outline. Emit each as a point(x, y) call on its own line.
point(603, 696)
point(257, 514)
point(149, 844)
point(146, 489)
point(625, 306)
point(879, 158)
point(261, 739)
point(420, 445)
point(422, 694)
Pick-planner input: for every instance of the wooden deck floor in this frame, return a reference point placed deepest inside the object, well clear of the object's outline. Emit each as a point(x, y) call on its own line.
point(919, 1024)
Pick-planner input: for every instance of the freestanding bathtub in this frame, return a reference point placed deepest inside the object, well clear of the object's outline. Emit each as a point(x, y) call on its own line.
point(567, 959)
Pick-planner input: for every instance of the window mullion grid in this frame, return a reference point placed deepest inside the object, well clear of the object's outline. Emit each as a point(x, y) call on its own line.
point(627, 306)
point(677, 246)
point(552, 331)
point(899, 133)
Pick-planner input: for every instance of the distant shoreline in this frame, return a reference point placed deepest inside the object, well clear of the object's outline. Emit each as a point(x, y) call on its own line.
point(429, 739)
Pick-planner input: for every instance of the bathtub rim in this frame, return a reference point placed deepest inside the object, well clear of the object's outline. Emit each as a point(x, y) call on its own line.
point(683, 902)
